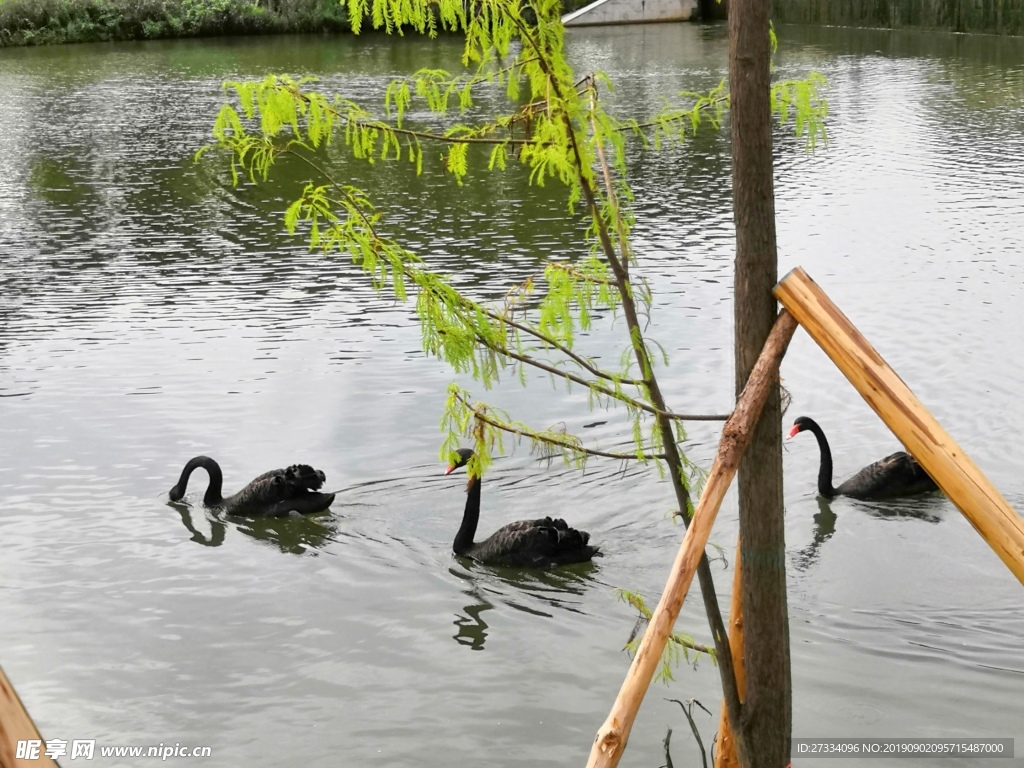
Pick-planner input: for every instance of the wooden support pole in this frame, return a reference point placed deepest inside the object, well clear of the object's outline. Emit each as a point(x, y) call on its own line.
point(725, 754)
point(614, 733)
point(958, 476)
point(15, 726)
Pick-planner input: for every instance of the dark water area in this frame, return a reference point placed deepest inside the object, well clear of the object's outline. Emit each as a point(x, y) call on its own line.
point(148, 313)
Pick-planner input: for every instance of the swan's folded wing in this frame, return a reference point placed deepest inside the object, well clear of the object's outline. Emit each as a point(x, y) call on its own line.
point(898, 474)
point(280, 492)
point(903, 466)
point(304, 476)
point(535, 542)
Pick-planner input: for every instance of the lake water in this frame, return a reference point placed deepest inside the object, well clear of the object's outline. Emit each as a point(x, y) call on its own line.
point(148, 314)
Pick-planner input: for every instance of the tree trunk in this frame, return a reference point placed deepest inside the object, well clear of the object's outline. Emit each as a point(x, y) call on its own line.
point(767, 711)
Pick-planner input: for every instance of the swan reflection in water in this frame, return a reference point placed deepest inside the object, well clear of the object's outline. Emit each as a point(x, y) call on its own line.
point(488, 585)
point(472, 629)
point(824, 527)
point(294, 534)
point(922, 508)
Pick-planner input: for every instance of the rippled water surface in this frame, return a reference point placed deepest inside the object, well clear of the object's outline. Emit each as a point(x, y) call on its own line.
point(148, 314)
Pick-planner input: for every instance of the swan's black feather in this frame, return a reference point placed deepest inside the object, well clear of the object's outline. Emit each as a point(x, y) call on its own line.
point(898, 474)
point(273, 494)
point(535, 543)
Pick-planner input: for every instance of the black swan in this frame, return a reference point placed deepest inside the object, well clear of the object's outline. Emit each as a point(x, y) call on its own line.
point(534, 543)
point(273, 494)
point(895, 475)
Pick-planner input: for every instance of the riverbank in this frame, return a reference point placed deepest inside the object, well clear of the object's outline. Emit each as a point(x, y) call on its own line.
point(998, 17)
point(49, 22)
point(45, 22)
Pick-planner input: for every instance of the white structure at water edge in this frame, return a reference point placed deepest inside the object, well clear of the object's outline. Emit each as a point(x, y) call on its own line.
point(631, 12)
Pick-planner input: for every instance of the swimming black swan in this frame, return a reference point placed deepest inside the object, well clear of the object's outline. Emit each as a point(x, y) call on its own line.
point(535, 543)
point(273, 494)
point(895, 475)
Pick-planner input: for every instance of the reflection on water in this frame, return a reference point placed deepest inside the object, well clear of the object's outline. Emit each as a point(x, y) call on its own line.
point(296, 534)
point(148, 312)
point(928, 508)
point(548, 594)
point(472, 629)
point(824, 527)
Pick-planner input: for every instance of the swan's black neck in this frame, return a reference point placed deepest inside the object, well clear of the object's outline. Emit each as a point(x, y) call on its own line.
point(825, 487)
point(464, 538)
point(213, 492)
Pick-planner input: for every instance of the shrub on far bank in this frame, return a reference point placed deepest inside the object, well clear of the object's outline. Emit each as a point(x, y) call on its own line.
point(37, 22)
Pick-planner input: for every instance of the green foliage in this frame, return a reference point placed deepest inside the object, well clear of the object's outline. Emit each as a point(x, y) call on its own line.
point(680, 647)
point(557, 130)
point(33, 22)
point(803, 101)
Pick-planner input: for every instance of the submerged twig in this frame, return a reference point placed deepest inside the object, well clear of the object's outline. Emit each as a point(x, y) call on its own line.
point(693, 726)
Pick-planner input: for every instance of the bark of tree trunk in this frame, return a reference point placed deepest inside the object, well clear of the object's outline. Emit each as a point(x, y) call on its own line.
point(767, 710)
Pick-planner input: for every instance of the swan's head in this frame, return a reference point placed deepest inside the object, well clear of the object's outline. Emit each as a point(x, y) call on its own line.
point(800, 425)
point(464, 455)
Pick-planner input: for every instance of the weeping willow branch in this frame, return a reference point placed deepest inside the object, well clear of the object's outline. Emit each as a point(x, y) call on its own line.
point(595, 387)
point(564, 442)
point(685, 642)
point(580, 361)
point(613, 205)
point(504, 350)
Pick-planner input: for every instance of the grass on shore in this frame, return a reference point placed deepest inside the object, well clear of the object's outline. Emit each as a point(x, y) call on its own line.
point(41, 22)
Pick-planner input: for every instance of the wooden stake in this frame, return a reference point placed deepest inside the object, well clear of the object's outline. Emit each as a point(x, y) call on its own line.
point(612, 736)
point(15, 726)
point(725, 752)
point(958, 477)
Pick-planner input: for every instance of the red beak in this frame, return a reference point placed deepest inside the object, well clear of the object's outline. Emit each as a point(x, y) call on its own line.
point(794, 430)
point(450, 469)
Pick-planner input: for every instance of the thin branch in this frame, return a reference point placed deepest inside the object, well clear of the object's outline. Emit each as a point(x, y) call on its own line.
point(582, 362)
point(609, 188)
point(678, 118)
point(548, 440)
point(594, 386)
point(341, 189)
point(668, 752)
point(381, 125)
point(621, 397)
point(693, 726)
point(693, 646)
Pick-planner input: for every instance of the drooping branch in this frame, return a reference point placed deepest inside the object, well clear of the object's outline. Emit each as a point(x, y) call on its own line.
point(596, 387)
point(505, 351)
point(565, 443)
point(580, 361)
point(643, 619)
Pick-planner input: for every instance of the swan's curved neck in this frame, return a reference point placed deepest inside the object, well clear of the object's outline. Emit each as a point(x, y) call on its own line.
point(464, 538)
point(825, 487)
point(213, 492)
